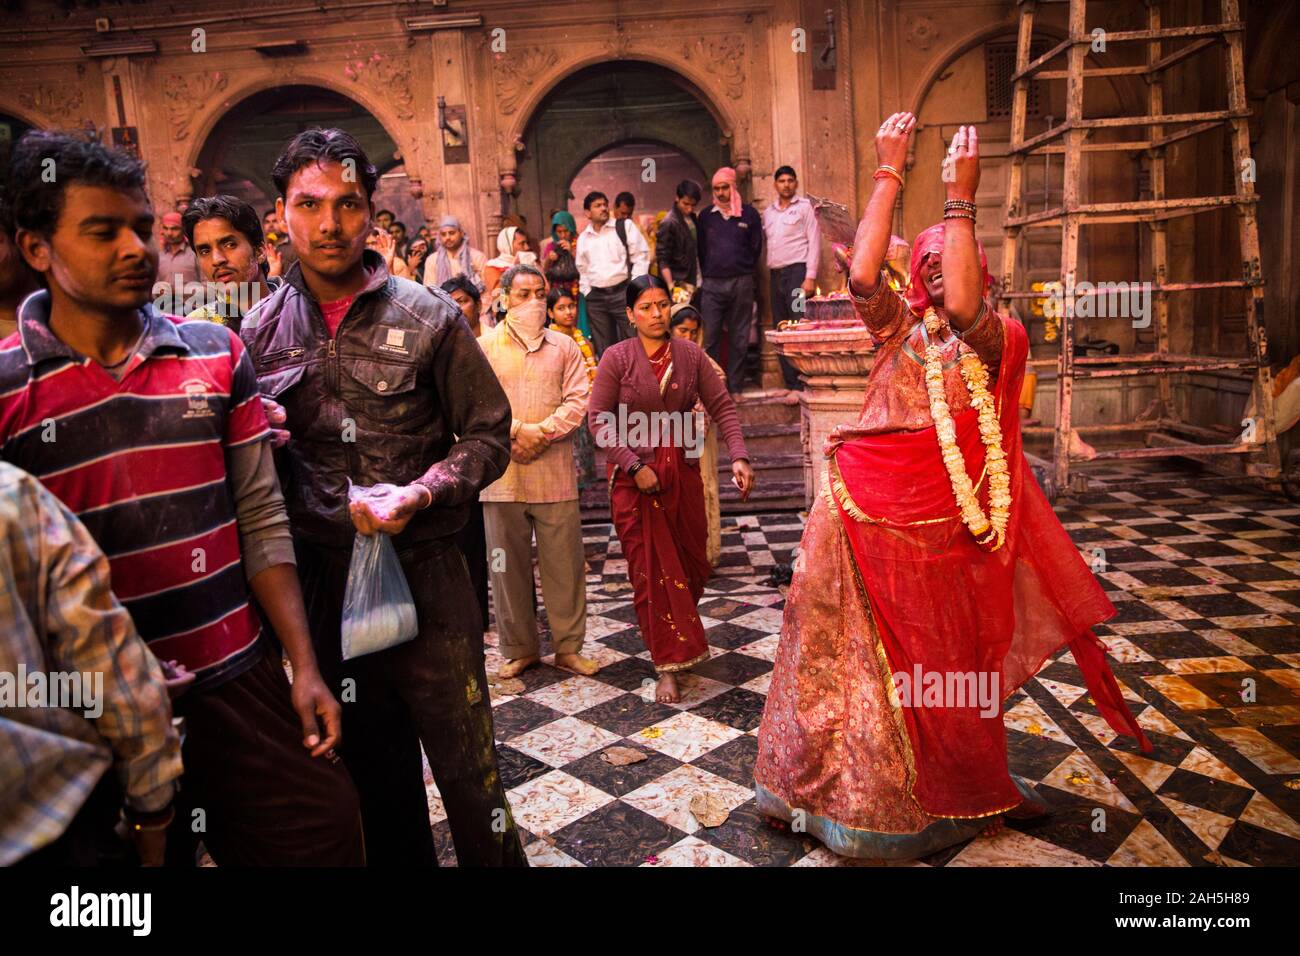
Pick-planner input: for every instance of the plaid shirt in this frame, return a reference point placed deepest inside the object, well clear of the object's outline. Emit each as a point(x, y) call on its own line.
point(57, 613)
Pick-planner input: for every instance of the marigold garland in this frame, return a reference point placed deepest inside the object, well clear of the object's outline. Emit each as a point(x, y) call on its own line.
point(989, 530)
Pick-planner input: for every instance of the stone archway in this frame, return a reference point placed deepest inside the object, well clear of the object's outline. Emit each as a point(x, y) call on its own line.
point(600, 107)
point(206, 101)
point(237, 154)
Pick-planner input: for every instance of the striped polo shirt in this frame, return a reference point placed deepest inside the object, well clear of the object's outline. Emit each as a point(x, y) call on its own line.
point(142, 463)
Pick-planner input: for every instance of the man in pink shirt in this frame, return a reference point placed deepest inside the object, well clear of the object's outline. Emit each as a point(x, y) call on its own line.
point(794, 245)
point(543, 373)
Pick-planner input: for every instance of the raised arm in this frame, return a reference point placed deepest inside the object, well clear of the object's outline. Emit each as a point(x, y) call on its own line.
point(963, 277)
point(872, 239)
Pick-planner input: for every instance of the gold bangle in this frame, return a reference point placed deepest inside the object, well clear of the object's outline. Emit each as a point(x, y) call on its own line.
point(888, 171)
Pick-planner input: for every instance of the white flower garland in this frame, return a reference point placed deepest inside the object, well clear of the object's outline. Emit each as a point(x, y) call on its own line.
point(989, 530)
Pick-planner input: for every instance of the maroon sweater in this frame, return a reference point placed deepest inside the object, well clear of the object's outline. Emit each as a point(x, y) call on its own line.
point(624, 377)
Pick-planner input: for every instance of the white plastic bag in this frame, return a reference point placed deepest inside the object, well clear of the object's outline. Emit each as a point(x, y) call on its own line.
point(378, 611)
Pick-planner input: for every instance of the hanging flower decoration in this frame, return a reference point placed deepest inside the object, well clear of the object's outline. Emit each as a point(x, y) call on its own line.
point(990, 530)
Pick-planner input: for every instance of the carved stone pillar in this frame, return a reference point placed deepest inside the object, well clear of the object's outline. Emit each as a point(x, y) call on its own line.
point(834, 358)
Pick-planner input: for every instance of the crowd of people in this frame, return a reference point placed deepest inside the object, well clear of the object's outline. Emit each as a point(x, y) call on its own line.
point(709, 258)
point(179, 504)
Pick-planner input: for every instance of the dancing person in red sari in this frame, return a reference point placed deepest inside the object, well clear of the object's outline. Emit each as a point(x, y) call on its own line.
point(641, 412)
point(935, 578)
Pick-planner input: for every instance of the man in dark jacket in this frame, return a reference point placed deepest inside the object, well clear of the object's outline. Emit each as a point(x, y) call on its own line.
point(675, 242)
point(383, 386)
point(731, 238)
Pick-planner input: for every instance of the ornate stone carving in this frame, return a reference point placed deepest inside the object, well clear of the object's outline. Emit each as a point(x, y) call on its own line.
point(618, 45)
point(515, 74)
point(187, 95)
point(722, 57)
point(390, 76)
point(921, 31)
point(59, 102)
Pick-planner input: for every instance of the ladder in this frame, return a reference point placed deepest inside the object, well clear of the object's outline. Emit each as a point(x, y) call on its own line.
point(1165, 436)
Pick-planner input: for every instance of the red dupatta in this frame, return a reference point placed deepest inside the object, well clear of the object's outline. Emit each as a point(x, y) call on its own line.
point(948, 611)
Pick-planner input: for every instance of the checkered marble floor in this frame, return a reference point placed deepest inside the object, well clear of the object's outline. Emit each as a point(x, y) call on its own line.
point(1205, 645)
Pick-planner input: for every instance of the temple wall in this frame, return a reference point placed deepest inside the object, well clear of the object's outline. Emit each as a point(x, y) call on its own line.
point(741, 58)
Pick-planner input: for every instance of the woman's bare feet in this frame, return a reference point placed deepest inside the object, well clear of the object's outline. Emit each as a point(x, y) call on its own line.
point(517, 666)
point(576, 663)
point(667, 692)
point(994, 826)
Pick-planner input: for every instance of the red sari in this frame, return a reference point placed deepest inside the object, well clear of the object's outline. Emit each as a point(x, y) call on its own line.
point(895, 584)
point(945, 605)
point(665, 540)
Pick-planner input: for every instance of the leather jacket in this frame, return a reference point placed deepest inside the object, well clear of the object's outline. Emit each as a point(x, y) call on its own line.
point(675, 247)
point(401, 393)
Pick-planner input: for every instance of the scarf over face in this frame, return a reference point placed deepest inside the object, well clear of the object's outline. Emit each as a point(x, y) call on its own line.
point(442, 264)
point(528, 321)
point(728, 175)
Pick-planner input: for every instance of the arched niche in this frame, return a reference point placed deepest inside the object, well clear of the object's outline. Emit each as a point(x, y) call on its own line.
point(600, 107)
point(239, 149)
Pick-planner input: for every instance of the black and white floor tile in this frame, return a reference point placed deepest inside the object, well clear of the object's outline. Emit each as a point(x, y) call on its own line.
point(1206, 646)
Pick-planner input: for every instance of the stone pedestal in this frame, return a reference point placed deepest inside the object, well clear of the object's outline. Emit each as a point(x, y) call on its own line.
point(834, 358)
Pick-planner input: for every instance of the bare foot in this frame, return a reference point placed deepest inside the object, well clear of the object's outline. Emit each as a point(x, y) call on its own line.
point(666, 691)
point(994, 827)
point(577, 663)
point(518, 666)
point(1080, 448)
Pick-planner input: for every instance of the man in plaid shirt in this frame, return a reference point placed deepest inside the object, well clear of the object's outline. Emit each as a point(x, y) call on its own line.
point(58, 800)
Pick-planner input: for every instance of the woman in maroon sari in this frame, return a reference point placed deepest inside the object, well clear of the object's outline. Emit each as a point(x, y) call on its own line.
point(641, 412)
point(935, 578)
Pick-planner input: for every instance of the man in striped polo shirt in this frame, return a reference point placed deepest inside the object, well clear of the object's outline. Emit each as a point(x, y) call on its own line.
point(151, 430)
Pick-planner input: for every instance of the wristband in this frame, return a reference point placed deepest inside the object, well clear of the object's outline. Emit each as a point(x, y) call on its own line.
point(631, 472)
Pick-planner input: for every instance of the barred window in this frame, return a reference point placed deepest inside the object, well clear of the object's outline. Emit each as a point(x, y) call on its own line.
point(999, 67)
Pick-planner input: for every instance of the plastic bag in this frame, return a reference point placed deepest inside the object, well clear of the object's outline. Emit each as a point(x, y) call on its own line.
point(378, 611)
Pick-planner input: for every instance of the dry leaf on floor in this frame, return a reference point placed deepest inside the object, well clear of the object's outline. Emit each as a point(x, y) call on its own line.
point(1034, 729)
point(506, 686)
point(707, 807)
point(651, 733)
point(1078, 778)
point(1154, 593)
point(622, 756)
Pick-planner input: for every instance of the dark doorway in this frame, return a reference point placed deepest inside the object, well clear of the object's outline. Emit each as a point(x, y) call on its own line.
point(241, 150)
point(607, 121)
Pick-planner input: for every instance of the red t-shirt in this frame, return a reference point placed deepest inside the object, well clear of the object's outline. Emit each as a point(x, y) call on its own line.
point(333, 313)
